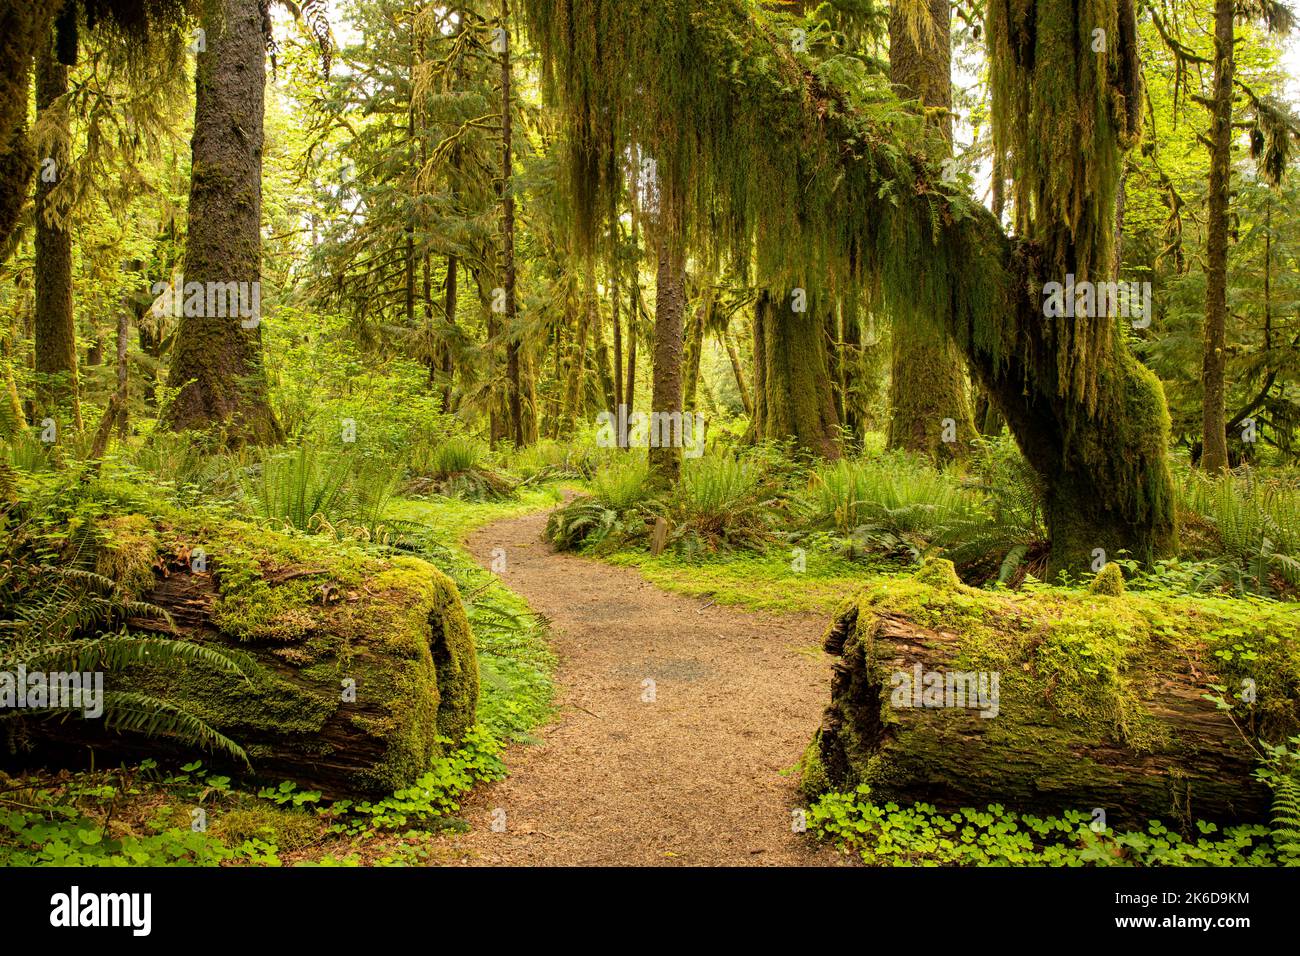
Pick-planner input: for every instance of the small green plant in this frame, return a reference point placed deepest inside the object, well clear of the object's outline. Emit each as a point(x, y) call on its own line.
point(893, 835)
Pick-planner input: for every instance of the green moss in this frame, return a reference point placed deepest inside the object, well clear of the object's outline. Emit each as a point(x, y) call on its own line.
point(939, 573)
point(287, 830)
point(127, 551)
point(312, 618)
point(1109, 581)
point(1079, 674)
point(813, 780)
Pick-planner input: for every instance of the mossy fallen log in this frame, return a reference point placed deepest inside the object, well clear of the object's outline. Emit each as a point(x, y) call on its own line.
point(1052, 700)
point(361, 670)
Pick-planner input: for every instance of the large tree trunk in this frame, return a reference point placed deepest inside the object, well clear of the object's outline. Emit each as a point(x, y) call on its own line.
point(26, 29)
point(56, 333)
point(217, 360)
point(929, 409)
point(1214, 436)
point(518, 432)
point(666, 390)
point(792, 385)
point(1129, 730)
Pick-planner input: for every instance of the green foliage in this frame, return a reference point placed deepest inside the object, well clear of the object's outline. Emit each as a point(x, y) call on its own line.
point(892, 835)
point(312, 490)
point(721, 500)
point(622, 483)
point(1256, 523)
point(455, 454)
point(61, 615)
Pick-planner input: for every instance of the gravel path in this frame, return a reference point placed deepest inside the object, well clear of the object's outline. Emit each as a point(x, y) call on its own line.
point(678, 724)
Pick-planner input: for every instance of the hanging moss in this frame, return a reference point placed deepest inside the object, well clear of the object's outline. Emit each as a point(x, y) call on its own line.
point(758, 157)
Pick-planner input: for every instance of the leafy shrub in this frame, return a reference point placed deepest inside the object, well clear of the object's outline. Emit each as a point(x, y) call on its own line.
point(721, 499)
point(623, 482)
point(892, 835)
point(316, 491)
point(1256, 527)
point(456, 454)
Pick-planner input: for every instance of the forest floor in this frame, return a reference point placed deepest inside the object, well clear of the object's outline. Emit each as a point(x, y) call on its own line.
point(678, 729)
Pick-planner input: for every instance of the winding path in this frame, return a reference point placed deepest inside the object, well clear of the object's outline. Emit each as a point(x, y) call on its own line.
point(678, 724)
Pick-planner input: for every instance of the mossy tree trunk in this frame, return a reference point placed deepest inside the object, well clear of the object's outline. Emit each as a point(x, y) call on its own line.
point(695, 348)
point(929, 408)
point(217, 360)
point(55, 330)
point(792, 384)
point(514, 372)
point(666, 388)
point(357, 669)
point(24, 29)
point(1214, 435)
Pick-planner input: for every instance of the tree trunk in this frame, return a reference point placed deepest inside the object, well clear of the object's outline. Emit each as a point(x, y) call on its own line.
point(930, 411)
point(1142, 742)
point(26, 30)
point(514, 384)
point(666, 390)
point(615, 277)
point(1214, 436)
point(852, 369)
point(217, 358)
point(56, 333)
point(603, 373)
point(574, 392)
point(449, 306)
point(695, 349)
point(792, 386)
point(739, 372)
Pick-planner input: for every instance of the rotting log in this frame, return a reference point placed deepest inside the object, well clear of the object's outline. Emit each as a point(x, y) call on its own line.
point(1102, 701)
point(361, 670)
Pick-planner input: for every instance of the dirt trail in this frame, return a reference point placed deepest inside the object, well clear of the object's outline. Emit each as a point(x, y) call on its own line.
point(690, 777)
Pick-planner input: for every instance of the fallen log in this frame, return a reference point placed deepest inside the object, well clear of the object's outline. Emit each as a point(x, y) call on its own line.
point(360, 670)
point(1056, 700)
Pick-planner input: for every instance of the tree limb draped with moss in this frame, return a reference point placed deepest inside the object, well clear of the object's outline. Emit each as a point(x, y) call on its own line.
point(769, 159)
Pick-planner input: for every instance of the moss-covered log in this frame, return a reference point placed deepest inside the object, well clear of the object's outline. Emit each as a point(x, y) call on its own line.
point(361, 671)
point(1077, 700)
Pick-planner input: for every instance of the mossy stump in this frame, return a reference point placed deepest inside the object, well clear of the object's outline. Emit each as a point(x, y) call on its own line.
point(361, 670)
point(1100, 700)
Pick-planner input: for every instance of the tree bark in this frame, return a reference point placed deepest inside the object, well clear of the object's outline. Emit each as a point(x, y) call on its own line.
point(928, 377)
point(26, 30)
point(1214, 436)
point(55, 328)
point(513, 372)
point(792, 385)
point(666, 389)
point(738, 371)
point(616, 284)
point(449, 306)
point(217, 360)
point(695, 349)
